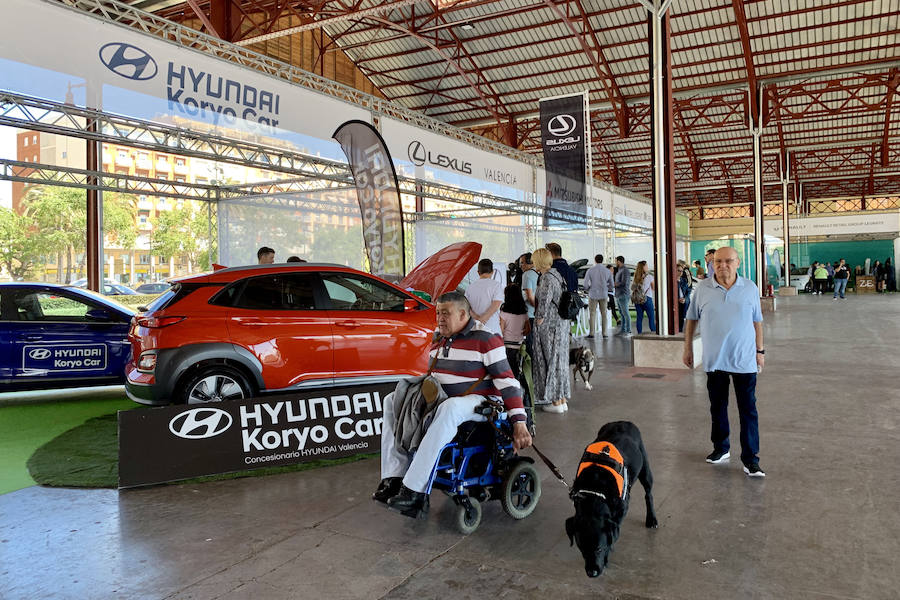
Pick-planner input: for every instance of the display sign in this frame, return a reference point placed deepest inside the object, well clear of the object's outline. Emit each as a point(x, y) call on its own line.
point(378, 194)
point(837, 225)
point(565, 142)
point(865, 284)
point(177, 442)
point(63, 357)
point(106, 59)
point(429, 152)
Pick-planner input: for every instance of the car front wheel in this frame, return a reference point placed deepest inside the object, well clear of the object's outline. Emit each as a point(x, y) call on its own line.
point(216, 383)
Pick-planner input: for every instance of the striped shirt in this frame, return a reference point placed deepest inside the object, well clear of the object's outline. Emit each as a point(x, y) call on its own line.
point(470, 354)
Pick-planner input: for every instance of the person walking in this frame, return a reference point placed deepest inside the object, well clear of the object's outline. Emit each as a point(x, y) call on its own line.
point(878, 274)
point(485, 295)
point(598, 282)
point(622, 288)
point(642, 290)
point(841, 276)
point(890, 277)
point(728, 310)
point(550, 362)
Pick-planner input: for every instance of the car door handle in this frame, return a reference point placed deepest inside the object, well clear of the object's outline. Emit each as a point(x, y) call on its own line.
point(349, 324)
point(33, 338)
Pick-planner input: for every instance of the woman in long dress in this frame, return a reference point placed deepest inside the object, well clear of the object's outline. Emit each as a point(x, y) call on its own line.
point(551, 338)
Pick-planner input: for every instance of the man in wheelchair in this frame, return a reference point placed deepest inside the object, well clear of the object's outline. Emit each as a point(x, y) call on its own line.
point(463, 354)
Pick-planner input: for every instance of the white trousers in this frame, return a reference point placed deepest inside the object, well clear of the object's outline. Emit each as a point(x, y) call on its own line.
point(395, 462)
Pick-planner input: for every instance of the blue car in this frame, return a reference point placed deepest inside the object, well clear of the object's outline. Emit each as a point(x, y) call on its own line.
point(60, 336)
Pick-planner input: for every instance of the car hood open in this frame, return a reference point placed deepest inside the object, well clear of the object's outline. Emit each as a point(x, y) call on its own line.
point(442, 271)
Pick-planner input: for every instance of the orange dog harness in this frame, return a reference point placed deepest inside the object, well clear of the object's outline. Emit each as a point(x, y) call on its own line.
point(606, 456)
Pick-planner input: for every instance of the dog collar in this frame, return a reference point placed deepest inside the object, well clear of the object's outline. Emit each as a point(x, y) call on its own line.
point(606, 456)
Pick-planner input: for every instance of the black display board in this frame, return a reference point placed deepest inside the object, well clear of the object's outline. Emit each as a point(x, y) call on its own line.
point(178, 442)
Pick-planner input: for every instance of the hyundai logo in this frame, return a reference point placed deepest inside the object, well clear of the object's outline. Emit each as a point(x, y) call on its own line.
point(200, 423)
point(561, 125)
point(39, 354)
point(128, 61)
point(416, 152)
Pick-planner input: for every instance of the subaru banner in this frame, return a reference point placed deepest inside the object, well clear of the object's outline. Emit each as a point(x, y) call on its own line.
point(223, 437)
point(379, 197)
point(565, 142)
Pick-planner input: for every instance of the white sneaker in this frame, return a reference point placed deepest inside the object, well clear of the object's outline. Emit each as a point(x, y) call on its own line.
point(565, 407)
point(553, 408)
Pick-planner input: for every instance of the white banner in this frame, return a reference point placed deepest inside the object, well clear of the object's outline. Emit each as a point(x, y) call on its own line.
point(836, 225)
point(52, 52)
point(428, 152)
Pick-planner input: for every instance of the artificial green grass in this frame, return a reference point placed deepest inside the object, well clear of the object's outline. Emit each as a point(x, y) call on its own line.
point(26, 427)
point(87, 456)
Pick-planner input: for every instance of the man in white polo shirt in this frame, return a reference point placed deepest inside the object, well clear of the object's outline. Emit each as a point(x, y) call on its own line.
point(485, 295)
point(727, 308)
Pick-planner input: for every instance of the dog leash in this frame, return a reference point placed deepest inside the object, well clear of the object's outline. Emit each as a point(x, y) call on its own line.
point(553, 468)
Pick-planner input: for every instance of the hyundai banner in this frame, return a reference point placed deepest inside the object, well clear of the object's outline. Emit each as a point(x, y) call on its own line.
point(378, 194)
point(223, 437)
point(564, 140)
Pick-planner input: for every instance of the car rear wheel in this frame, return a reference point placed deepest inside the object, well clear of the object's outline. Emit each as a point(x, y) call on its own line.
point(216, 383)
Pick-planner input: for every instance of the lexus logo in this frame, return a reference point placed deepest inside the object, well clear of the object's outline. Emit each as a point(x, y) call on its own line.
point(39, 354)
point(561, 125)
point(200, 423)
point(416, 152)
point(128, 61)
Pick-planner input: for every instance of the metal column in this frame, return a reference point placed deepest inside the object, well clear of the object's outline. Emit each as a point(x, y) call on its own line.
point(94, 216)
point(661, 105)
point(758, 230)
point(785, 183)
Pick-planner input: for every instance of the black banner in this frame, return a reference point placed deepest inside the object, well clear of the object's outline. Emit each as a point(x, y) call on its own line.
point(178, 442)
point(565, 152)
point(379, 197)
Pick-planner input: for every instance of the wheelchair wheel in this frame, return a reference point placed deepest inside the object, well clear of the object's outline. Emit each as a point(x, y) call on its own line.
point(468, 515)
point(521, 490)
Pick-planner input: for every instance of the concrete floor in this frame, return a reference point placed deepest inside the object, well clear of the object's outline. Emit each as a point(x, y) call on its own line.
point(823, 524)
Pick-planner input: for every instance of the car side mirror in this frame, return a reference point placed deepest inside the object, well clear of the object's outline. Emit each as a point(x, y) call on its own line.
point(98, 314)
point(409, 304)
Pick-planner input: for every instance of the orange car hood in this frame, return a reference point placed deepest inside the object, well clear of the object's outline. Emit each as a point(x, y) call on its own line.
point(442, 271)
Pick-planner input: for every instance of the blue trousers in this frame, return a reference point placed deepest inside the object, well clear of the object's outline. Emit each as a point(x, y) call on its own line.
point(745, 393)
point(840, 287)
point(647, 307)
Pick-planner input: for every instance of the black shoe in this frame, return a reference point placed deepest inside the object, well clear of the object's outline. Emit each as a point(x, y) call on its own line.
point(409, 503)
point(387, 489)
point(718, 457)
point(753, 470)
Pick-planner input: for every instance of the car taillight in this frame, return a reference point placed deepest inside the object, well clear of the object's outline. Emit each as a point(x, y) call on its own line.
point(157, 322)
point(147, 362)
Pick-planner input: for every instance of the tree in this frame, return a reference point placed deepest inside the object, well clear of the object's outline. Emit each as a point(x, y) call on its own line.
point(59, 215)
point(20, 248)
point(183, 232)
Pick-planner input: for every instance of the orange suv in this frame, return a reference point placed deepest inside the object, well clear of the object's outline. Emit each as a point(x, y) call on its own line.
point(237, 332)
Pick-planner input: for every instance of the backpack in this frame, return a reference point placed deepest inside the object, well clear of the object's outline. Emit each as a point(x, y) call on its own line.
point(637, 294)
point(570, 304)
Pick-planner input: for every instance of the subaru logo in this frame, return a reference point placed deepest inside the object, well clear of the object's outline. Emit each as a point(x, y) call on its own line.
point(416, 152)
point(561, 125)
point(128, 61)
point(39, 354)
point(200, 423)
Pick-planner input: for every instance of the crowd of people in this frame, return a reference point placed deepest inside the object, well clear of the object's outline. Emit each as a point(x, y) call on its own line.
point(826, 277)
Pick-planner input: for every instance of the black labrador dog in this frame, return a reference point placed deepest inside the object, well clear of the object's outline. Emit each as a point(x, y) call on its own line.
point(601, 490)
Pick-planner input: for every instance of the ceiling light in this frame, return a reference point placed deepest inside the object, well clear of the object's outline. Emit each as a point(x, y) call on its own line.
point(467, 26)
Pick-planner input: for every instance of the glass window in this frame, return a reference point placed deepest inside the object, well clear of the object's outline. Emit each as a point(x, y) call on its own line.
point(26, 141)
point(41, 306)
point(348, 291)
point(289, 291)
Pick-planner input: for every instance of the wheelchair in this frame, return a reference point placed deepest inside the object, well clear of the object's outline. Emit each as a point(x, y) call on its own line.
point(479, 464)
